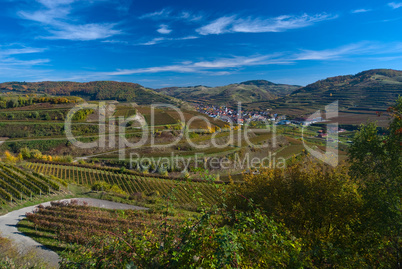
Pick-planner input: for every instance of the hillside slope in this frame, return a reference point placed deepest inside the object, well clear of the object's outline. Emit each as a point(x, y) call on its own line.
point(96, 90)
point(245, 92)
point(373, 90)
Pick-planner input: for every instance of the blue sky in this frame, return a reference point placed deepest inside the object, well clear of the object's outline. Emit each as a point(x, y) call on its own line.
point(180, 43)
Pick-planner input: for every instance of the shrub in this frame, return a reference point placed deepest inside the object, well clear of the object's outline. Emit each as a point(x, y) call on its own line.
point(101, 186)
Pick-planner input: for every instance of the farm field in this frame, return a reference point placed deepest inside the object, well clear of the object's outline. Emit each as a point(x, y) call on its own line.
point(132, 184)
point(20, 185)
point(62, 225)
point(358, 117)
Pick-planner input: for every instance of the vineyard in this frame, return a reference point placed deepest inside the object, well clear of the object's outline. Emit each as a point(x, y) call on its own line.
point(17, 184)
point(69, 223)
point(182, 191)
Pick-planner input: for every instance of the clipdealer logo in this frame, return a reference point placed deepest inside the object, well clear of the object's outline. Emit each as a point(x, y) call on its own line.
point(331, 145)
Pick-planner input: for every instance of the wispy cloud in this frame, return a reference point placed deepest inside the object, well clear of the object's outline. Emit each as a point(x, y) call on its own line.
point(55, 19)
point(201, 66)
point(15, 51)
point(158, 40)
point(112, 41)
point(362, 10)
point(330, 54)
point(157, 14)
point(170, 14)
point(13, 61)
point(219, 26)
point(164, 29)
point(361, 49)
point(233, 24)
point(395, 5)
point(228, 65)
point(371, 51)
point(7, 56)
point(83, 32)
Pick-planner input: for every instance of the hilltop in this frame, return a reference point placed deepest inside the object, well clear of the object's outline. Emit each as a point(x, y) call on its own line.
point(373, 90)
point(96, 90)
point(245, 92)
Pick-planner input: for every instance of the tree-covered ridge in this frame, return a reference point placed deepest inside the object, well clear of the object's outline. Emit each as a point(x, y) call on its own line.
point(245, 92)
point(22, 101)
point(96, 90)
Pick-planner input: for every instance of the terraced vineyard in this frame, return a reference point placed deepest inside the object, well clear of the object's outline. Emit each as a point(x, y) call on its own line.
point(68, 223)
point(131, 184)
point(19, 184)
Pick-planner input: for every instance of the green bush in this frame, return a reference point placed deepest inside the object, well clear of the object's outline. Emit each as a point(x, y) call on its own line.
point(101, 186)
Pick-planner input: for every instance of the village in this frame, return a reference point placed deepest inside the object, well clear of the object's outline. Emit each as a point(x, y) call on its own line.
point(231, 115)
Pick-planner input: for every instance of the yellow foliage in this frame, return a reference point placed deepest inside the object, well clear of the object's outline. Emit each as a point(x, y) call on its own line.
point(10, 157)
point(314, 201)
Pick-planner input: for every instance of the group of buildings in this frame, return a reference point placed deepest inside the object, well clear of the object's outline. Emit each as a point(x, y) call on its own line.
point(231, 115)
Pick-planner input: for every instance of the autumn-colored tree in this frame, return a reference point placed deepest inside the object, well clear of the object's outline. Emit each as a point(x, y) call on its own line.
point(376, 165)
point(316, 203)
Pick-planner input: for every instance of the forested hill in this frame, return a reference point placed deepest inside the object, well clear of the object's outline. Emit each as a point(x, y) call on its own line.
point(245, 92)
point(374, 89)
point(96, 90)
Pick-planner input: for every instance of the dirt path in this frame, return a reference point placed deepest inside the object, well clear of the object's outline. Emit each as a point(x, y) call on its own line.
point(8, 227)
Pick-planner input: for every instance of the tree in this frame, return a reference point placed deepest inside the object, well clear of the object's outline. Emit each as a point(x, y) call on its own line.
point(317, 203)
point(12, 103)
point(376, 165)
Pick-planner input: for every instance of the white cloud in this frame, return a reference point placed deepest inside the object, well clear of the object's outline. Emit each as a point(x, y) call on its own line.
point(164, 29)
point(210, 67)
point(232, 62)
point(57, 22)
point(217, 27)
point(15, 51)
point(395, 5)
point(157, 14)
point(158, 40)
point(7, 56)
point(46, 16)
point(83, 32)
point(154, 41)
point(364, 49)
point(112, 41)
point(12, 61)
point(233, 24)
point(362, 10)
point(222, 66)
point(189, 16)
point(329, 54)
point(169, 14)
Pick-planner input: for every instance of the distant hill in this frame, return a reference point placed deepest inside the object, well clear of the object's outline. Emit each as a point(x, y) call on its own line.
point(245, 92)
point(96, 90)
point(372, 90)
